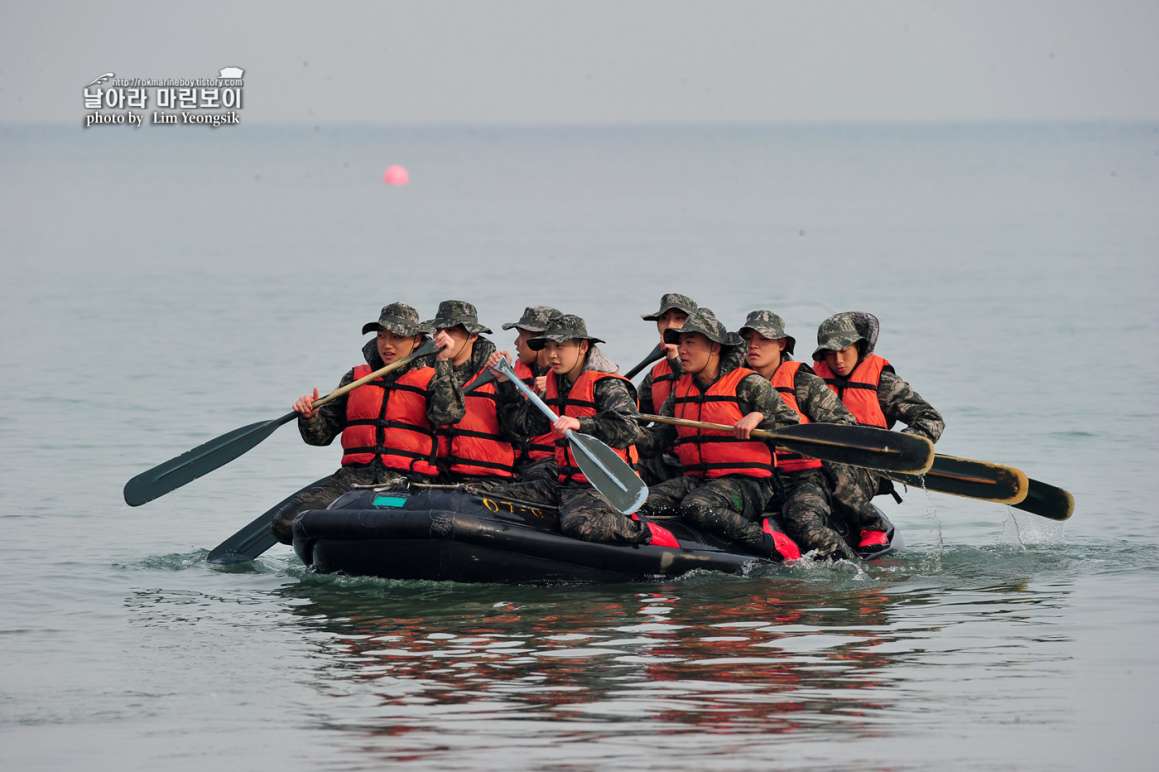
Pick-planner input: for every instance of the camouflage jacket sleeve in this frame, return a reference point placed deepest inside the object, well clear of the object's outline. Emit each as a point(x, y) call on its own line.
point(755, 394)
point(646, 405)
point(818, 402)
point(901, 404)
point(509, 403)
point(614, 422)
point(328, 421)
point(445, 403)
point(656, 439)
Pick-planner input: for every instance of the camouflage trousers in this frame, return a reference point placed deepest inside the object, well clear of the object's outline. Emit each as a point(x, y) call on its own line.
point(806, 512)
point(319, 494)
point(656, 469)
point(583, 513)
point(853, 489)
point(543, 469)
point(727, 506)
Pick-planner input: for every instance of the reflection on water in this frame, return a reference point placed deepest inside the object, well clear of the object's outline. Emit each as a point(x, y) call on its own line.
point(424, 671)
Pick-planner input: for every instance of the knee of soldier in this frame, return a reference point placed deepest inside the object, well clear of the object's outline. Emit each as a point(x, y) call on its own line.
point(577, 528)
point(695, 511)
point(283, 528)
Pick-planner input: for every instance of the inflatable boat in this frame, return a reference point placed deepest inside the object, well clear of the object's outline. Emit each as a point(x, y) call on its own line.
point(447, 532)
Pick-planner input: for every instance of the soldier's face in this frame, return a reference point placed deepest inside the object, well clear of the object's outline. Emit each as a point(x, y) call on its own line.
point(762, 352)
point(564, 358)
point(461, 345)
point(673, 319)
point(392, 347)
point(842, 362)
point(696, 352)
point(526, 355)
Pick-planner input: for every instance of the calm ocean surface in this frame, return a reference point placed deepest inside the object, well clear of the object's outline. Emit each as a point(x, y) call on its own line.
point(161, 286)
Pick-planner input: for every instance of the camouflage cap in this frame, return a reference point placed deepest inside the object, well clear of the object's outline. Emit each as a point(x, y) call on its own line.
point(534, 319)
point(768, 325)
point(456, 313)
point(704, 321)
point(668, 301)
point(398, 318)
point(561, 328)
point(835, 333)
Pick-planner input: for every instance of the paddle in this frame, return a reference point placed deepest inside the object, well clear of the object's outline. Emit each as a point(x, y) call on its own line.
point(865, 446)
point(248, 543)
point(609, 474)
point(972, 479)
point(656, 354)
point(219, 451)
point(1047, 500)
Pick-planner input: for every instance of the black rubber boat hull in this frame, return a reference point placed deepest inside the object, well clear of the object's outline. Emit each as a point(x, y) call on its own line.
point(446, 534)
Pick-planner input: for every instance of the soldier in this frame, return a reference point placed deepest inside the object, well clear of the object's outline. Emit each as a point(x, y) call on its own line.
point(803, 495)
point(727, 478)
point(657, 384)
point(536, 455)
point(385, 427)
point(589, 397)
point(868, 386)
point(474, 441)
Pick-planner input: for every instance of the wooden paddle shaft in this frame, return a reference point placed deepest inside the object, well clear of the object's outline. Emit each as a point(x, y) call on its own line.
point(761, 433)
point(422, 351)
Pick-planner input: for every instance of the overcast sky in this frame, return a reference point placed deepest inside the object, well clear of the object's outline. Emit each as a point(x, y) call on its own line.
point(604, 62)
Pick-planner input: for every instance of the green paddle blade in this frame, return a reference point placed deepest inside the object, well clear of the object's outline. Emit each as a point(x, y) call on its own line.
point(248, 543)
point(972, 479)
point(1047, 500)
point(202, 460)
point(865, 446)
point(608, 473)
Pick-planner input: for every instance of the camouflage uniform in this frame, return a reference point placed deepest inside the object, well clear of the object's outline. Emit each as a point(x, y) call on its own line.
point(329, 420)
point(447, 403)
point(535, 319)
point(730, 506)
point(803, 498)
point(583, 513)
point(664, 466)
point(854, 487)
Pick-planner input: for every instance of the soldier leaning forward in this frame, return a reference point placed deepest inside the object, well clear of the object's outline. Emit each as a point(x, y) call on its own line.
point(589, 397)
point(727, 477)
point(385, 424)
point(657, 384)
point(535, 456)
point(472, 423)
point(803, 495)
point(868, 386)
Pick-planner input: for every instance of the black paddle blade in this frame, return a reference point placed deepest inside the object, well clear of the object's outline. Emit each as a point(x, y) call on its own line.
point(247, 544)
point(608, 473)
point(972, 479)
point(655, 355)
point(864, 446)
point(200, 461)
point(1047, 500)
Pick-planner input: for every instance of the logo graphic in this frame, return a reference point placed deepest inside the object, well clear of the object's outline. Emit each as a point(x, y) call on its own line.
point(205, 101)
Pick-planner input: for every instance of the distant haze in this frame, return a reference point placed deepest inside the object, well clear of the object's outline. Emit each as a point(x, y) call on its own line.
point(604, 62)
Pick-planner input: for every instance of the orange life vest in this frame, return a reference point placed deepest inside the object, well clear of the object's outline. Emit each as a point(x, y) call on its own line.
point(663, 378)
point(389, 422)
point(580, 402)
point(475, 445)
point(858, 392)
point(543, 446)
point(712, 453)
point(784, 381)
